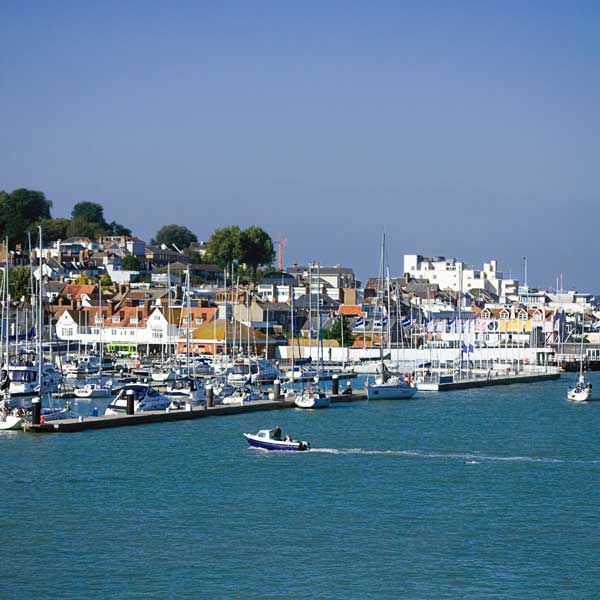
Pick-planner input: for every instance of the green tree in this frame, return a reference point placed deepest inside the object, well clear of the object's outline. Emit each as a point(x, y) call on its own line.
point(79, 227)
point(130, 263)
point(118, 229)
point(341, 324)
point(19, 282)
point(92, 212)
point(225, 246)
point(177, 235)
point(256, 248)
point(105, 279)
point(19, 210)
point(53, 229)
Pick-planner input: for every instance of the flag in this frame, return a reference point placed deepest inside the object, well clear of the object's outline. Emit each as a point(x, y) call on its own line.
point(471, 349)
point(359, 322)
point(464, 349)
point(406, 322)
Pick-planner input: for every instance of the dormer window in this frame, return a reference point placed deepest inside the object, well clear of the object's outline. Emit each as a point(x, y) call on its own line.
point(504, 315)
point(523, 316)
point(116, 319)
point(485, 314)
point(133, 320)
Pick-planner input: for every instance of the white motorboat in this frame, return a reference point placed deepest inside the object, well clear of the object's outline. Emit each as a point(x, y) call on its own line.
point(239, 396)
point(242, 372)
point(24, 379)
point(94, 390)
point(145, 398)
point(299, 373)
point(163, 375)
point(393, 388)
point(187, 390)
point(311, 399)
point(263, 439)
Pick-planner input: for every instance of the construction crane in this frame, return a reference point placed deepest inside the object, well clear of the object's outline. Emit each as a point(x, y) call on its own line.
point(281, 244)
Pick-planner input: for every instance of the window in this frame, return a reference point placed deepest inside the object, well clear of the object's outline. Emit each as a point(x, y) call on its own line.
point(504, 315)
point(199, 320)
point(116, 319)
point(133, 320)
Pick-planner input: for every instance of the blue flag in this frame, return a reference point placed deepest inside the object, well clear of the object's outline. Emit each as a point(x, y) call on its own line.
point(406, 322)
point(360, 321)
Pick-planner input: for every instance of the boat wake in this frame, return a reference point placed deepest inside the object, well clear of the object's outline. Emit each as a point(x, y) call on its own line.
point(468, 458)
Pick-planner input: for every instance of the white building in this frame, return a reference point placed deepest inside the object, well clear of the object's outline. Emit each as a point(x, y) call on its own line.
point(449, 273)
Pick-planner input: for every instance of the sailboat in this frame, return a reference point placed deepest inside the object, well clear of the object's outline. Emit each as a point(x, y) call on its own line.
point(582, 391)
point(47, 413)
point(187, 389)
point(96, 390)
point(387, 387)
point(310, 398)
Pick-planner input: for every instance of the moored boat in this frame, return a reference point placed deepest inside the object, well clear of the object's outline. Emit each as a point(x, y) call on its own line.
point(310, 399)
point(145, 398)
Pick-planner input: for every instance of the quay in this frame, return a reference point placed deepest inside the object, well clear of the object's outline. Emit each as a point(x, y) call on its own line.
point(155, 416)
point(477, 382)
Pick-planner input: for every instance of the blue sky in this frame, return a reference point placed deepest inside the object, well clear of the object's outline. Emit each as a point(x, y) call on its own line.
point(468, 129)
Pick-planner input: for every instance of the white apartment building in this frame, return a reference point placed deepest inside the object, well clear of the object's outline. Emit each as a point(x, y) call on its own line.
point(449, 273)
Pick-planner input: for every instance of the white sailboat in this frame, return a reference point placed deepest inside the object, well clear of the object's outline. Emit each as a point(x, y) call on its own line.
point(582, 391)
point(97, 390)
point(388, 387)
point(310, 398)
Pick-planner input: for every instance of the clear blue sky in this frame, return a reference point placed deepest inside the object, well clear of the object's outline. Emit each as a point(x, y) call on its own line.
point(469, 129)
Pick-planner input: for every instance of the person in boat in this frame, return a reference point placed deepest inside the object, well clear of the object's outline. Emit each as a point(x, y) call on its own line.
point(288, 438)
point(277, 433)
point(589, 387)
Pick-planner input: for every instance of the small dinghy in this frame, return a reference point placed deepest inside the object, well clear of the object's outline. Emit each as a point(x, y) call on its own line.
point(265, 440)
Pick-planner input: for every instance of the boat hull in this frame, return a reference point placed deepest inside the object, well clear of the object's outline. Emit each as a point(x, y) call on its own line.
point(269, 444)
point(390, 392)
point(312, 401)
point(12, 423)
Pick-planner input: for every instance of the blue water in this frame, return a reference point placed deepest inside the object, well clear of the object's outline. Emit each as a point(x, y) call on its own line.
point(473, 494)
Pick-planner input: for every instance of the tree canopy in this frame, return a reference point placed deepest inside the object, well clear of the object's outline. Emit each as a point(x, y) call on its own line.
point(130, 263)
point(225, 245)
point(92, 212)
point(19, 210)
point(19, 282)
point(175, 235)
point(256, 248)
point(340, 330)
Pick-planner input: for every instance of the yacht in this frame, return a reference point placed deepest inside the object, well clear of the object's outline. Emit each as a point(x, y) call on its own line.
point(145, 398)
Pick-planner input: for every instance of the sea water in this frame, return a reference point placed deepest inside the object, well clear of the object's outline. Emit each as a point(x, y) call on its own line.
point(485, 493)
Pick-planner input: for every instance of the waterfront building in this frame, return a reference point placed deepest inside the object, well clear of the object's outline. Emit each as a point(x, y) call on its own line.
point(449, 273)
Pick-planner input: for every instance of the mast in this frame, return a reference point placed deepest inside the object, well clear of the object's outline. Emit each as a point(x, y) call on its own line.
point(5, 307)
point(381, 269)
point(225, 316)
point(187, 330)
point(101, 327)
point(40, 318)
